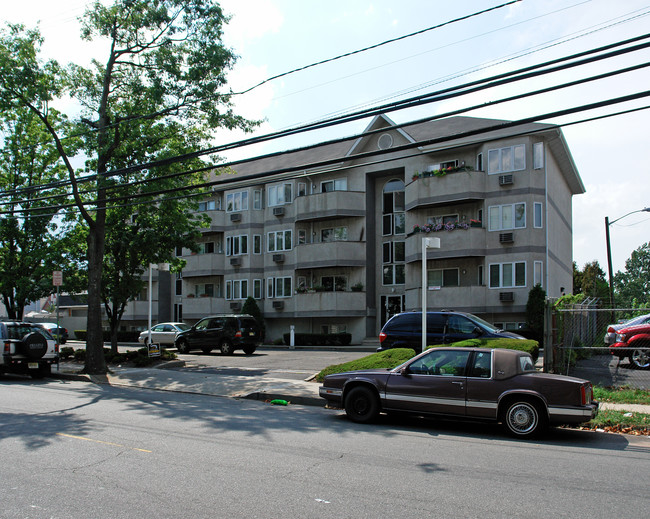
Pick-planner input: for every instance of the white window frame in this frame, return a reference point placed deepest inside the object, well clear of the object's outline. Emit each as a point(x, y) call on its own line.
point(237, 201)
point(337, 233)
point(538, 222)
point(271, 240)
point(338, 184)
point(430, 273)
point(503, 267)
point(277, 288)
point(538, 155)
point(257, 199)
point(302, 189)
point(239, 289)
point(503, 210)
point(334, 276)
point(279, 194)
point(498, 156)
point(257, 244)
point(258, 289)
point(237, 245)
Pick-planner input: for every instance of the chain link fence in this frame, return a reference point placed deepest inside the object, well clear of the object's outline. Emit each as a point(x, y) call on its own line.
point(577, 343)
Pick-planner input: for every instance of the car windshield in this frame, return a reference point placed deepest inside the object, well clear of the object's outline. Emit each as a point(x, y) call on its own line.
point(482, 322)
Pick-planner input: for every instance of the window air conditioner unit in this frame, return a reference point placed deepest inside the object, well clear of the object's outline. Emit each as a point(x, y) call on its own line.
point(278, 258)
point(235, 306)
point(278, 211)
point(235, 217)
point(278, 305)
point(506, 237)
point(506, 297)
point(505, 180)
point(235, 262)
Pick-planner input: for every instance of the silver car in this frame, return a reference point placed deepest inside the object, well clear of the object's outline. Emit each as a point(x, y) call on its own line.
point(610, 334)
point(163, 333)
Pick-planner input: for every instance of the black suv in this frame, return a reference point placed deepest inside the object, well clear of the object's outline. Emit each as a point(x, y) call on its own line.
point(27, 348)
point(228, 332)
point(405, 330)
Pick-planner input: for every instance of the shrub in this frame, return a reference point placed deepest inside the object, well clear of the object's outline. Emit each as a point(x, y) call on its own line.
point(66, 352)
point(527, 345)
point(388, 359)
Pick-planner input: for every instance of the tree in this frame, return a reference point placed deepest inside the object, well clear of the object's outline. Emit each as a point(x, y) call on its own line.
point(31, 233)
point(165, 65)
point(250, 307)
point(535, 313)
point(591, 281)
point(633, 285)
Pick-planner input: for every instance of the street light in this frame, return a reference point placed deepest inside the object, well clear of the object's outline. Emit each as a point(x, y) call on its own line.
point(609, 250)
point(427, 243)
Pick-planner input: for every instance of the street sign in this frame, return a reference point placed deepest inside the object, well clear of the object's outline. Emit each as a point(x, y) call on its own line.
point(57, 278)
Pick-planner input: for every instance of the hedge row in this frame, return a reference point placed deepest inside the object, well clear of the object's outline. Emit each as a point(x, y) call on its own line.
point(122, 336)
point(319, 339)
point(527, 345)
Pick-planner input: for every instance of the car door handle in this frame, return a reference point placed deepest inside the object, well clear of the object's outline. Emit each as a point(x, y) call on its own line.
point(458, 382)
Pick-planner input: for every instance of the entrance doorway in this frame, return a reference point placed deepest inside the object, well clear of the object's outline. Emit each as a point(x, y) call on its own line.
point(391, 305)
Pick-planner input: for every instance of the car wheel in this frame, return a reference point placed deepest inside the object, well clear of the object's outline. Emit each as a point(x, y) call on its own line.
point(523, 418)
point(182, 346)
point(362, 405)
point(34, 345)
point(640, 359)
point(206, 349)
point(249, 350)
point(227, 348)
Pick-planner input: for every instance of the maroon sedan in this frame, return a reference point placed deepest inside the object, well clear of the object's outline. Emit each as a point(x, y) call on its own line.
point(633, 342)
point(493, 385)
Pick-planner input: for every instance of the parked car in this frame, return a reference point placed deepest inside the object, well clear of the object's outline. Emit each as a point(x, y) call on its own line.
point(492, 385)
point(163, 333)
point(227, 332)
point(58, 332)
point(610, 335)
point(633, 342)
point(405, 330)
point(27, 349)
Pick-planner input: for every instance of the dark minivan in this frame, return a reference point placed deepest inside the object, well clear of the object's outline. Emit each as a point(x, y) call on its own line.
point(228, 332)
point(405, 330)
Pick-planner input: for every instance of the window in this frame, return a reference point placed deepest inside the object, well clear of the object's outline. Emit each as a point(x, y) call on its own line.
point(482, 366)
point(334, 283)
point(441, 362)
point(206, 248)
point(237, 289)
point(209, 205)
point(179, 252)
point(280, 194)
point(537, 215)
point(302, 236)
point(179, 285)
point(479, 162)
point(393, 216)
point(442, 220)
point(538, 271)
point(443, 278)
point(393, 275)
point(502, 160)
point(538, 155)
point(236, 245)
point(504, 217)
point(302, 189)
point(278, 287)
point(257, 244)
point(335, 234)
point(257, 288)
point(480, 279)
point(449, 164)
point(279, 241)
point(204, 290)
point(508, 275)
point(257, 199)
point(339, 184)
point(237, 201)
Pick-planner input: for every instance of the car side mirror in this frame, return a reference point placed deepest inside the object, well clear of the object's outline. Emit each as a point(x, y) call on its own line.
point(405, 371)
point(478, 331)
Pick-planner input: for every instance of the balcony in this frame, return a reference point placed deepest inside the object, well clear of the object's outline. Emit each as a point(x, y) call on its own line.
point(462, 186)
point(318, 304)
point(218, 219)
point(204, 265)
point(331, 254)
point(333, 204)
point(471, 299)
point(197, 307)
point(470, 242)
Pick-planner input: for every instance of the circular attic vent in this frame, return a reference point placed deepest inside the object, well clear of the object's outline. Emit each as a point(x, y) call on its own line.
point(385, 141)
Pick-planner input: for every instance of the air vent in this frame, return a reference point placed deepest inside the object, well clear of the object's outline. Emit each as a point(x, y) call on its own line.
point(278, 258)
point(505, 180)
point(506, 297)
point(506, 237)
point(385, 141)
point(278, 211)
point(235, 306)
point(235, 262)
point(235, 217)
point(278, 305)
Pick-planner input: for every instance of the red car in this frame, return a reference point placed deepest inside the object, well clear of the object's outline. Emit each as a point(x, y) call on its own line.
point(633, 342)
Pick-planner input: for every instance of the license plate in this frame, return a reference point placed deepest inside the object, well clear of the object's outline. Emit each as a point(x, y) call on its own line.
point(32, 365)
point(252, 334)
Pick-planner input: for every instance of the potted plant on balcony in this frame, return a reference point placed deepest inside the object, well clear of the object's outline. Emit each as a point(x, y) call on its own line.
point(357, 287)
point(475, 223)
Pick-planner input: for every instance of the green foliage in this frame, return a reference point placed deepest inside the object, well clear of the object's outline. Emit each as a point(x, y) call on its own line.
point(250, 307)
point(568, 300)
point(526, 345)
point(535, 312)
point(139, 357)
point(621, 421)
point(633, 285)
point(591, 281)
point(388, 359)
point(622, 395)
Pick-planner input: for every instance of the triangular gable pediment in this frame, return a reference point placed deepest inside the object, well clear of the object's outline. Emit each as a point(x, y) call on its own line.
point(372, 141)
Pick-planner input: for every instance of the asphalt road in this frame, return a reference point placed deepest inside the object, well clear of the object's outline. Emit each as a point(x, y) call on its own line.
point(76, 450)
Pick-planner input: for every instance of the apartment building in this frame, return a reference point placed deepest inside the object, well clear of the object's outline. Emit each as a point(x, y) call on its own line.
point(329, 238)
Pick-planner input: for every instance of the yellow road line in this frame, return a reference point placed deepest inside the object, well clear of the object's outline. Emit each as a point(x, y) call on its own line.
point(100, 441)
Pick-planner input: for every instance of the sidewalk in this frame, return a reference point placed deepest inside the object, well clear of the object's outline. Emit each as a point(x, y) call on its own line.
point(162, 378)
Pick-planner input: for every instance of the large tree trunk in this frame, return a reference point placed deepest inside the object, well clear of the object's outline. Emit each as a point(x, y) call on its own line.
point(95, 362)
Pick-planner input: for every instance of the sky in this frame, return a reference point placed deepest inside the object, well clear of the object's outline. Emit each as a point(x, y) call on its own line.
point(275, 36)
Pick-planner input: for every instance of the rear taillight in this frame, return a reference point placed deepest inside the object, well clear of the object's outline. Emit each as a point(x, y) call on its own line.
point(586, 394)
point(382, 337)
point(238, 334)
point(7, 348)
point(56, 348)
